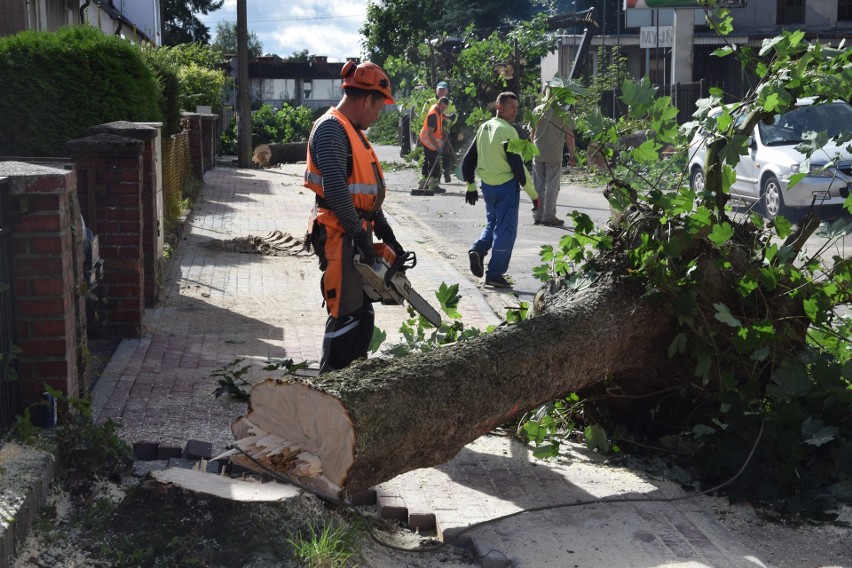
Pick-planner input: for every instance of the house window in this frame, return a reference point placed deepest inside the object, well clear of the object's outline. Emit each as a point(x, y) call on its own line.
point(844, 10)
point(790, 12)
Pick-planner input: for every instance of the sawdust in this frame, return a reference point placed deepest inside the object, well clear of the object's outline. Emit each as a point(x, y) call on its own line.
point(274, 243)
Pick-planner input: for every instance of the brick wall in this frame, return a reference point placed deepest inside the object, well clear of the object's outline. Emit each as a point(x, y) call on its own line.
point(110, 178)
point(151, 206)
point(50, 300)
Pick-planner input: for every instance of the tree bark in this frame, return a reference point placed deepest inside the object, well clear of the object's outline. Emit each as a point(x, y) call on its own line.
point(286, 153)
point(344, 432)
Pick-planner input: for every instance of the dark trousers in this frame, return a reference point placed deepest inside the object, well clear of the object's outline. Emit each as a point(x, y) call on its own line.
point(347, 338)
point(430, 169)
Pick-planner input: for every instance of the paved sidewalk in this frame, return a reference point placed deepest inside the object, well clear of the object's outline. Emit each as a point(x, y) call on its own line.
point(219, 305)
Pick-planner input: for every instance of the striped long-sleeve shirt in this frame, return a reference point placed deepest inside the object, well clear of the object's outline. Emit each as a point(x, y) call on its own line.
point(332, 154)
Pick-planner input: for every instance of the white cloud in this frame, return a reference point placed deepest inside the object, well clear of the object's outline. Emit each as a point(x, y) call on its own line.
point(323, 27)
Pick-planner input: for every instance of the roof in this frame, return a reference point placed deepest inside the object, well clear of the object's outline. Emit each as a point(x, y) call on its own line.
point(271, 68)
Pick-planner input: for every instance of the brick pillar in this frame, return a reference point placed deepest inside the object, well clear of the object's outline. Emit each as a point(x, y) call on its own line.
point(196, 145)
point(151, 216)
point(208, 138)
point(109, 178)
point(50, 299)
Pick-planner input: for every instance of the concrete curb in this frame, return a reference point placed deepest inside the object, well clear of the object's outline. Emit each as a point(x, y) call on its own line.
point(25, 477)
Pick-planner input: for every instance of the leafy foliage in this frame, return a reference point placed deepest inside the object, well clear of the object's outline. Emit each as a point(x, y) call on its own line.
point(226, 41)
point(198, 71)
point(180, 25)
point(762, 336)
point(419, 335)
point(102, 78)
point(87, 451)
point(287, 124)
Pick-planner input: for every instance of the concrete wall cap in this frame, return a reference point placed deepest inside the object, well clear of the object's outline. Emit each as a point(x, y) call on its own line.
point(125, 128)
point(105, 144)
point(25, 178)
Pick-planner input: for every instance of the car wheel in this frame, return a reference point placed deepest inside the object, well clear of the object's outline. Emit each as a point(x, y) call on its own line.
point(697, 181)
point(771, 200)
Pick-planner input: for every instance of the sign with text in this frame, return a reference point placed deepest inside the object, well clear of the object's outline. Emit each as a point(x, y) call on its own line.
point(656, 36)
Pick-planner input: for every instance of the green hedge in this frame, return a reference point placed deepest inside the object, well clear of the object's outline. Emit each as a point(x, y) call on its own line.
point(60, 84)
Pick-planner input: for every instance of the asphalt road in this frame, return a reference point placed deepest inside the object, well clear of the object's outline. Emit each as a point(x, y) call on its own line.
point(450, 225)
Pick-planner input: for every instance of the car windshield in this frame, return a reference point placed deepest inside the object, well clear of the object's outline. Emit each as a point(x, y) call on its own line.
point(789, 128)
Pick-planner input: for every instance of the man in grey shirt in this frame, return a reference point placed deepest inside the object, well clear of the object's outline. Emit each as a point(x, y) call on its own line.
point(550, 135)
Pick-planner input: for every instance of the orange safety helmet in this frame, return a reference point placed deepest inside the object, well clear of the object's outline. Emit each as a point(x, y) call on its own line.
point(367, 76)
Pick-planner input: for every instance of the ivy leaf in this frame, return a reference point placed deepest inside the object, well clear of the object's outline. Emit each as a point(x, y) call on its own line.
point(721, 234)
point(724, 315)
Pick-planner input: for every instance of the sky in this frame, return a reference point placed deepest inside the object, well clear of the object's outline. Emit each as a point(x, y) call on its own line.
point(323, 27)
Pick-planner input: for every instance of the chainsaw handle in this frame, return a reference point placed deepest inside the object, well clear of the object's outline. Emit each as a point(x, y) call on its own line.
point(403, 262)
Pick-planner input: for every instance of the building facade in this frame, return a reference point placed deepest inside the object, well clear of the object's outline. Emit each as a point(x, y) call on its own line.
point(648, 37)
point(134, 20)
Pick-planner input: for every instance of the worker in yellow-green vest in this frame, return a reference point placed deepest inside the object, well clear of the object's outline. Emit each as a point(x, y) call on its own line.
point(502, 174)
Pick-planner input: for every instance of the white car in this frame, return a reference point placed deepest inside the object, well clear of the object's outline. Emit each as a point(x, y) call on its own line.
point(762, 174)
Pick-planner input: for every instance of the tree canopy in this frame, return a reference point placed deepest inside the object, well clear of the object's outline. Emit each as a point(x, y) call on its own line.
point(180, 24)
point(226, 40)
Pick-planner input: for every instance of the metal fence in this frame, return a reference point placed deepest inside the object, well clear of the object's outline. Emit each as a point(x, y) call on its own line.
point(177, 173)
point(684, 96)
point(9, 397)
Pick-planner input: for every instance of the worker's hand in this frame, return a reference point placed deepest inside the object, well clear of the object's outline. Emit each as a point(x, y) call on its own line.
point(364, 247)
point(536, 203)
point(472, 194)
point(391, 241)
point(452, 116)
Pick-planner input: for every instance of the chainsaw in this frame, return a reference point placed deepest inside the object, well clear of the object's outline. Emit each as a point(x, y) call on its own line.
point(389, 285)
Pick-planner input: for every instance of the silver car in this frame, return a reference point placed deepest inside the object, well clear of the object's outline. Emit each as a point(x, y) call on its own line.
point(762, 175)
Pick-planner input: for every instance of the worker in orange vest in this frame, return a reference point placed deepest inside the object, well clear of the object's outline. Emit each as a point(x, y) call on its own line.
point(432, 140)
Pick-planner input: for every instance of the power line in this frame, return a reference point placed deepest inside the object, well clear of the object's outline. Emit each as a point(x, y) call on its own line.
point(301, 19)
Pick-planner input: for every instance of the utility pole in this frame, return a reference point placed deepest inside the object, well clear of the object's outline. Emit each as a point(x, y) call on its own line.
point(243, 88)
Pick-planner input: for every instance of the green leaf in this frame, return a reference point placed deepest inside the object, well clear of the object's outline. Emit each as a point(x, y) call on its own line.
point(379, 337)
point(788, 382)
point(721, 234)
point(449, 298)
point(596, 438)
point(795, 178)
point(524, 148)
point(546, 451)
point(816, 433)
point(723, 314)
point(678, 345)
point(648, 151)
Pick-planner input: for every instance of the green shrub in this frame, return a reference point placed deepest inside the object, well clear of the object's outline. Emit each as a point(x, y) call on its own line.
point(201, 86)
point(66, 82)
point(384, 130)
point(268, 126)
point(167, 79)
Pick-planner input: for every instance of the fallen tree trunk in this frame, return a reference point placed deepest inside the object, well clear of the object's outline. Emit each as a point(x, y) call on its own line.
point(286, 153)
point(346, 431)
